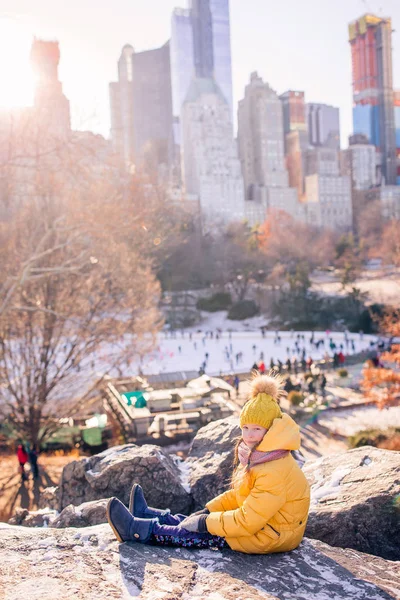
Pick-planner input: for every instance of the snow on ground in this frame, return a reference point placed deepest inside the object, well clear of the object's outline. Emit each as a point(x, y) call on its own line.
point(184, 353)
point(219, 319)
point(184, 472)
point(352, 420)
point(380, 285)
point(188, 349)
point(322, 489)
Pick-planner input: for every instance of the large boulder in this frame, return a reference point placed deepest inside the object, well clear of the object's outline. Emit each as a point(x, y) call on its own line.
point(355, 501)
point(89, 564)
point(113, 472)
point(210, 459)
point(88, 513)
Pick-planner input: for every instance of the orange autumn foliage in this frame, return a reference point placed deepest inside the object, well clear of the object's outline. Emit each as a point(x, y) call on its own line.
point(382, 384)
point(284, 240)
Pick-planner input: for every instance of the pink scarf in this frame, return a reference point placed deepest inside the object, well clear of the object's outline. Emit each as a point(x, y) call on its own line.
point(249, 458)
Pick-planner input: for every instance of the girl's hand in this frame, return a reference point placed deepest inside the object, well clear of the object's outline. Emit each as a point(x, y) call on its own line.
point(195, 523)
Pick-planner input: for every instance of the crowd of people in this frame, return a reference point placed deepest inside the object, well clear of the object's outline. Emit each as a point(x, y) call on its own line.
point(308, 385)
point(219, 350)
point(297, 359)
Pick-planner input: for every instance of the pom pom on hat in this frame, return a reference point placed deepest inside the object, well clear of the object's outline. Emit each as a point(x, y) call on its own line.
point(265, 384)
point(263, 407)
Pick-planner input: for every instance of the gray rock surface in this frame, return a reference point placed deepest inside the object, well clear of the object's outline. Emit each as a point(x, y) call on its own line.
point(113, 472)
point(40, 518)
point(89, 564)
point(211, 458)
point(354, 501)
point(50, 498)
point(88, 513)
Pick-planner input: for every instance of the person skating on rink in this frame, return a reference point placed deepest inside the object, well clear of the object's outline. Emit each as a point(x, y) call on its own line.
point(236, 383)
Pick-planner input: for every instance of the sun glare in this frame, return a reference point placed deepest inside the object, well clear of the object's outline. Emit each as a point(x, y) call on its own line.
point(16, 77)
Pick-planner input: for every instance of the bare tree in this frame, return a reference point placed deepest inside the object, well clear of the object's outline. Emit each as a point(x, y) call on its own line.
point(238, 256)
point(349, 259)
point(78, 293)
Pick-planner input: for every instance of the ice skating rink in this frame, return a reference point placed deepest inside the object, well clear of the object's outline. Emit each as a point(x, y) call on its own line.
point(238, 350)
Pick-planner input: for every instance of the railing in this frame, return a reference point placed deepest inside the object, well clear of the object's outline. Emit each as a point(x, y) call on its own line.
point(351, 359)
point(119, 410)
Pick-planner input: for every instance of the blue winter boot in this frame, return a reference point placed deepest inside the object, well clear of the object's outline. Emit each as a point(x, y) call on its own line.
point(125, 526)
point(138, 507)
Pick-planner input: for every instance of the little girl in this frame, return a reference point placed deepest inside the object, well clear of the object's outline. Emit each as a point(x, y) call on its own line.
point(265, 510)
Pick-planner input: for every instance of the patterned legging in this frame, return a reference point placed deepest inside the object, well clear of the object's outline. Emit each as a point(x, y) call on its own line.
point(213, 541)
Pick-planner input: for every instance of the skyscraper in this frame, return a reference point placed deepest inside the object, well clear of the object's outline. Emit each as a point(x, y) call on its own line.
point(323, 125)
point(370, 39)
point(141, 105)
point(121, 104)
point(221, 29)
point(327, 198)
point(261, 149)
point(200, 46)
point(362, 159)
point(296, 137)
point(397, 126)
point(211, 166)
point(51, 106)
point(203, 46)
point(182, 62)
point(294, 111)
point(295, 160)
point(260, 136)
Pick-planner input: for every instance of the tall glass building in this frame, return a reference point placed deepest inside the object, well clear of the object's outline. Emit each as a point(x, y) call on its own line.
point(182, 57)
point(222, 48)
point(323, 125)
point(201, 47)
point(202, 21)
point(366, 121)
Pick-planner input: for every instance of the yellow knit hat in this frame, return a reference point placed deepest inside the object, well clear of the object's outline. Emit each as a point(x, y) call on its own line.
point(263, 407)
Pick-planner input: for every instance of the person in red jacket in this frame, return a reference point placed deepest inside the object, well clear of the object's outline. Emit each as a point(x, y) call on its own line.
point(22, 459)
point(261, 367)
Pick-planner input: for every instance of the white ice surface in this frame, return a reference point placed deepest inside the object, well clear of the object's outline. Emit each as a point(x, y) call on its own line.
point(166, 357)
point(350, 421)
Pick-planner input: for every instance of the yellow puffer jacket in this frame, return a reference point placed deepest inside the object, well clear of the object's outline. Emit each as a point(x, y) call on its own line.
point(266, 511)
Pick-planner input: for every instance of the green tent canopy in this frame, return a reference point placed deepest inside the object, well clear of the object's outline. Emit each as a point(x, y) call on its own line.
point(135, 398)
point(92, 436)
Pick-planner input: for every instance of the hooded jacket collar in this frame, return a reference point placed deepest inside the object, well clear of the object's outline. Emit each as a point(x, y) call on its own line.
point(284, 434)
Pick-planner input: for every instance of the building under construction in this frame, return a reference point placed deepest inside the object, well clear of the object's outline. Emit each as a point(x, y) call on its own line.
point(370, 40)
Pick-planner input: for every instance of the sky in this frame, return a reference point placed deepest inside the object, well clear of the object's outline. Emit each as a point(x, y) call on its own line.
point(293, 44)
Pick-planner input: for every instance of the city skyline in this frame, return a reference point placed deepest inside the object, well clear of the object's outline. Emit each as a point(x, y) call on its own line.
point(281, 48)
